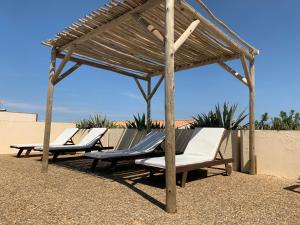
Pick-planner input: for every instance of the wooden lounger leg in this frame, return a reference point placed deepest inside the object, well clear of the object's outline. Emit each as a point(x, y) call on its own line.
point(27, 152)
point(19, 153)
point(151, 174)
point(55, 156)
point(183, 179)
point(94, 165)
point(113, 164)
point(228, 169)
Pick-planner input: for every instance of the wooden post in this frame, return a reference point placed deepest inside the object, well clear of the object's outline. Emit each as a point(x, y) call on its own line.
point(48, 116)
point(169, 109)
point(252, 154)
point(148, 105)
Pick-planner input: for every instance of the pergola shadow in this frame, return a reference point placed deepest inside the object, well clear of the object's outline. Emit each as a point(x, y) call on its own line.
point(129, 175)
point(294, 188)
point(125, 174)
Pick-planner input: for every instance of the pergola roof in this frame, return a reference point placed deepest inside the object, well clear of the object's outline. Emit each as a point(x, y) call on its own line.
point(127, 36)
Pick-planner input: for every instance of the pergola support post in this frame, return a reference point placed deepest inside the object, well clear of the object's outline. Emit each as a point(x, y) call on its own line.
point(48, 116)
point(148, 105)
point(170, 170)
point(252, 154)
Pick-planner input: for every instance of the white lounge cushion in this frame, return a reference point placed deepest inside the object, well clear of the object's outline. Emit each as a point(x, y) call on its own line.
point(202, 147)
point(146, 145)
point(87, 142)
point(62, 139)
point(181, 160)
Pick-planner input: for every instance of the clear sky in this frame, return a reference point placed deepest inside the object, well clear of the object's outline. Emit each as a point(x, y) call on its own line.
point(271, 26)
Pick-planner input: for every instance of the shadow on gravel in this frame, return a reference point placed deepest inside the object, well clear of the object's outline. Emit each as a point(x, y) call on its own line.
point(294, 188)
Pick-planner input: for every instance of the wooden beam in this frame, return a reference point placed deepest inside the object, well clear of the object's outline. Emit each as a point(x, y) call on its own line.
point(169, 109)
point(147, 27)
point(185, 35)
point(62, 64)
point(148, 105)
point(199, 63)
point(102, 66)
point(252, 153)
point(67, 73)
point(246, 70)
point(254, 50)
point(210, 27)
point(156, 86)
point(141, 88)
point(111, 24)
point(48, 116)
point(234, 73)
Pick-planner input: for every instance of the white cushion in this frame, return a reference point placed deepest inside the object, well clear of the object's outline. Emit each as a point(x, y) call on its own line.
point(202, 147)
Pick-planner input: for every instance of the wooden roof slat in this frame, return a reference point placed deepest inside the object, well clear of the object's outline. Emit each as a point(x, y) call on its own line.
point(111, 35)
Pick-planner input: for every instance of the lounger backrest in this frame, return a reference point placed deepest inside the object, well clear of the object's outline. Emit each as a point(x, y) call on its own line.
point(65, 136)
point(205, 142)
point(92, 137)
point(149, 142)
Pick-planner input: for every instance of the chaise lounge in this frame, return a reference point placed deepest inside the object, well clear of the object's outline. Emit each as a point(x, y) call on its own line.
point(65, 138)
point(201, 152)
point(92, 141)
point(145, 147)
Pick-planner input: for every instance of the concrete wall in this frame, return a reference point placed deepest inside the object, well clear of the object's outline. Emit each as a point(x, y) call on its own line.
point(26, 132)
point(278, 153)
point(18, 116)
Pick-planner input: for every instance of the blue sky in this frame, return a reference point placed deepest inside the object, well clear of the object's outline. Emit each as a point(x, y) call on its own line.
point(271, 26)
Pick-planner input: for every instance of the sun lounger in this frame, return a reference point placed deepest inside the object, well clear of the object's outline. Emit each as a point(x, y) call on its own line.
point(201, 152)
point(92, 141)
point(64, 138)
point(145, 147)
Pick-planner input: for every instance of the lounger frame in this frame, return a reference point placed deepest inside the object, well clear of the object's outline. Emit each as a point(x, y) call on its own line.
point(29, 149)
point(183, 170)
point(97, 146)
point(115, 160)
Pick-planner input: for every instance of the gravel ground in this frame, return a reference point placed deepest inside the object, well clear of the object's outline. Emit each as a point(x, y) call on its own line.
point(70, 194)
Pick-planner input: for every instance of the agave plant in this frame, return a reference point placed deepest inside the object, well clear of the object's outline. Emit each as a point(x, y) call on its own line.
point(218, 117)
point(139, 122)
point(95, 121)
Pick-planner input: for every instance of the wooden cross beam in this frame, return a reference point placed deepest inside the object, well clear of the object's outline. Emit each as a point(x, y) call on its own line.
point(156, 87)
point(213, 29)
point(234, 73)
point(246, 71)
point(186, 34)
point(63, 63)
point(67, 73)
point(102, 66)
point(141, 88)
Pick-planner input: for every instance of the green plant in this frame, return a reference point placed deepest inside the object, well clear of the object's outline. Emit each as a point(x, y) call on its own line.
point(263, 124)
point(95, 121)
point(218, 117)
point(139, 122)
point(284, 121)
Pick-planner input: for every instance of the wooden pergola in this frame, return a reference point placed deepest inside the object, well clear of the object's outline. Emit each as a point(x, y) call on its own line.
point(146, 38)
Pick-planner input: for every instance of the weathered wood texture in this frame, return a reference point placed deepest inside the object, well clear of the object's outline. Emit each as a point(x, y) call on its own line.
point(169, 109)
point(148, 101)
point(252, 153)
point(48, 116)
point(128, 36)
